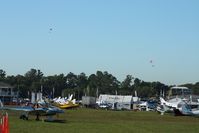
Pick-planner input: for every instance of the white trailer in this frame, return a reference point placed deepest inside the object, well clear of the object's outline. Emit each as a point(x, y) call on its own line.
point(88, 101)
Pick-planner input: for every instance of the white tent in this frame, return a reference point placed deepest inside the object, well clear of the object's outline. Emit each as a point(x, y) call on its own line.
point(117, 101)
point(35, 97)
point(32, 97)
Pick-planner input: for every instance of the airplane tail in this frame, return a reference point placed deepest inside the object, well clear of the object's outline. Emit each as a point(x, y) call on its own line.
point(162, 101)
point(74, 101)
point(70, 98)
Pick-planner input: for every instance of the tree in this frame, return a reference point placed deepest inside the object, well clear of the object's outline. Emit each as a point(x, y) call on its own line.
point(21, 86)
point(2, 75)
point(71, 80)
point(159, 88)
point(82, 83)
point(126, 85)
point(33, 79)
point(103, 82)
point(94, 84)
point(137, 82)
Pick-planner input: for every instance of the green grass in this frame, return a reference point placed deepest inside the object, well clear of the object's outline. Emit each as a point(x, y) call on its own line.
point(103, 121)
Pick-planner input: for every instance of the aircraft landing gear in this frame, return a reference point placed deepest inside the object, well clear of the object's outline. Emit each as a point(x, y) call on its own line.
point(23, 117)
point(37, 117)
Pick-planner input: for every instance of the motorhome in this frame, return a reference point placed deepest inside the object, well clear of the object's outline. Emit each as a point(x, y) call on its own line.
point(179, 91)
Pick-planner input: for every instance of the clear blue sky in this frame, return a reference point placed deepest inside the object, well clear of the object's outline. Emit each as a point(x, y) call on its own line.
point(118, 36)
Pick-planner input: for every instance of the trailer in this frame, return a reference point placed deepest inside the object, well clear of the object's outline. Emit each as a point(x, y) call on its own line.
point(88, 101)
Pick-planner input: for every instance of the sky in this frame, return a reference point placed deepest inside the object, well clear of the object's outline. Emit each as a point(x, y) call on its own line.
point(151, 40)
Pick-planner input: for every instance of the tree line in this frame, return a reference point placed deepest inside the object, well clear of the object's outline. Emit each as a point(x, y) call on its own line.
point(81, 84)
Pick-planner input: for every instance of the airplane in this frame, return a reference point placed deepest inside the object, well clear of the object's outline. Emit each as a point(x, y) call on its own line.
point(168, 106)
point(36, 110)
point(69, 105)
point(183, 109)
point(178, 107)
point(65, 103)
point(171, 103)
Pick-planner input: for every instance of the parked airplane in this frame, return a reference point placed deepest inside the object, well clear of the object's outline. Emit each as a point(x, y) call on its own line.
point(36, 110)
point(172, 103)
point(184, 109)
point(178, 106)
point(69, 105)
point(168, 106)
point(65, 103)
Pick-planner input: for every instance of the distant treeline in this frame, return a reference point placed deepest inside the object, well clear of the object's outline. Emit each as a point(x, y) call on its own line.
point(79, 85)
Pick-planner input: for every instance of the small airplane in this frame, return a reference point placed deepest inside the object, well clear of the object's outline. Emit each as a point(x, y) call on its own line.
point(65, 103)
point(168, 106)
point(173, 103)
point(36, 110)
point(178, 107)
point(69, 105)
point(183, 109)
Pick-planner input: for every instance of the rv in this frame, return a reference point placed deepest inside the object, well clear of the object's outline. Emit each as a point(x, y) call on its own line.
point(179, 91)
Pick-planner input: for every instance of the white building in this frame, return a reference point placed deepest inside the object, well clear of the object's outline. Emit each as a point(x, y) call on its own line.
point(7, 93)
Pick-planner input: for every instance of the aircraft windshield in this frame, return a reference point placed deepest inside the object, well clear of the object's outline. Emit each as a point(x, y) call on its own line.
point(181, 92)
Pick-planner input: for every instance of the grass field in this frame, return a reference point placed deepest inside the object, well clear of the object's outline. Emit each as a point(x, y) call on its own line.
point(103, 121)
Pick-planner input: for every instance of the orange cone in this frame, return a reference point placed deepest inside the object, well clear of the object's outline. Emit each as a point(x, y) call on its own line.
point(4, 126)
point(1, 126)
point(7, 124)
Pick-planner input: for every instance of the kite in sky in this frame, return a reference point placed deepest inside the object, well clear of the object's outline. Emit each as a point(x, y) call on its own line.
point(50, 30)
point(152, 63)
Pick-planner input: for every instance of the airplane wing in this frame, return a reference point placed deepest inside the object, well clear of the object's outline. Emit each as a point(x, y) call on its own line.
point(18, 108)
point(38, 111)
point(30, 110)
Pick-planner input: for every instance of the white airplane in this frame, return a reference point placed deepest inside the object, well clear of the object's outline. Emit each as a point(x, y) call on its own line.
point(178, 106)
point(184, 109)
point(171, 103)
point(65, 103)
point(168, 106)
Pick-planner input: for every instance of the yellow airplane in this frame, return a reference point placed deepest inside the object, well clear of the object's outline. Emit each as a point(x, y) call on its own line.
point(66, 104)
